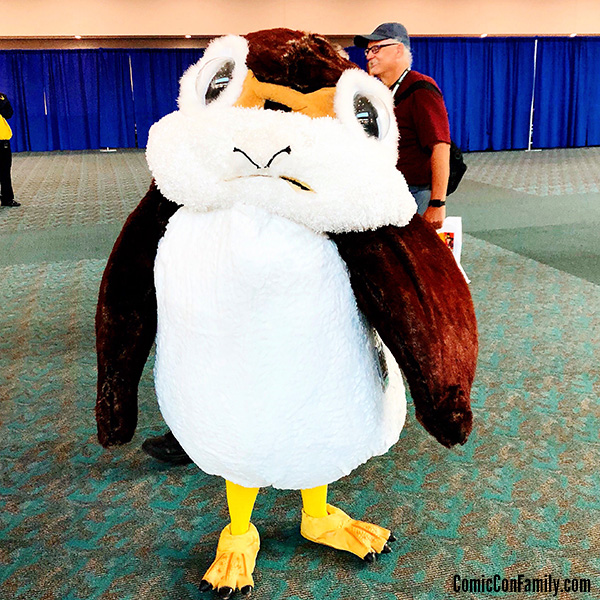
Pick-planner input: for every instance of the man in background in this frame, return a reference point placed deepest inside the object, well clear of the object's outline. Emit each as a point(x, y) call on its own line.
point(7, 197)
point(424, 146)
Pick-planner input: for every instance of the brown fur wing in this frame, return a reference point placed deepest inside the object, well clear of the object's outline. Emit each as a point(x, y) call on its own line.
point(126, 317)
point(408, 285)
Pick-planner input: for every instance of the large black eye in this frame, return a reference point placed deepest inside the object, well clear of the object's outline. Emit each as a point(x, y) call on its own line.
point(366, 115)
point(219, 82)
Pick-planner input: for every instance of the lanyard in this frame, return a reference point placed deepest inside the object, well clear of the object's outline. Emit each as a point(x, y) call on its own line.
point(395, 87)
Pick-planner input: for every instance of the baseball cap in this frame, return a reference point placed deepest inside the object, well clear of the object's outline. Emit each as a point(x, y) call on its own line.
point(386, 31)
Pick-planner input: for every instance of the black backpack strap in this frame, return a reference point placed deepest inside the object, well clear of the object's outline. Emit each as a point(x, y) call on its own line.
point(417, 85)
point(457, 163)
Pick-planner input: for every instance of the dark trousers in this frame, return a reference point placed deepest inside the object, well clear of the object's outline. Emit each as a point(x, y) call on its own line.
point(6, 191)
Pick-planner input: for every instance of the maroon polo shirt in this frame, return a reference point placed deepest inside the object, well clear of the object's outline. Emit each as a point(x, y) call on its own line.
point(422, 122)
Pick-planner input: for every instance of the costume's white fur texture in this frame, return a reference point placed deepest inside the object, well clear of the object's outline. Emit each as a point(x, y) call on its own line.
point(266, 372)
point(196, 79)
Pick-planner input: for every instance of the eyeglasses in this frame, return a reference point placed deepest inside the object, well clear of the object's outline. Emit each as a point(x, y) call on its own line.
point(377, 47)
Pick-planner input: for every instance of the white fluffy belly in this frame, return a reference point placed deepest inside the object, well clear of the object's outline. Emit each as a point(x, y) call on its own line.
point(265, 369)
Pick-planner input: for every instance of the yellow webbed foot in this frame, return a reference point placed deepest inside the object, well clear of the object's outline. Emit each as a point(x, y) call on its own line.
point(340, 531)
point(234, 564)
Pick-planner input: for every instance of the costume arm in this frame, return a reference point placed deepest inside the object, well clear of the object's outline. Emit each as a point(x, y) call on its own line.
point(409, 287)
point(126, 317)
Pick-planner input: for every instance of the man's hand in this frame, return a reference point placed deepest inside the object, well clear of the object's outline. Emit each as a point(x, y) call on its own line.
point(435, 215)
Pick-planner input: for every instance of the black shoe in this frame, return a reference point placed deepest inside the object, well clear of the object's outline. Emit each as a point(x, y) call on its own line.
point(12, 203)
point(166, 448)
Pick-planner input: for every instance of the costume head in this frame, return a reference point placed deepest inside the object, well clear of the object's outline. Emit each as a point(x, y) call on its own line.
point(258, 117)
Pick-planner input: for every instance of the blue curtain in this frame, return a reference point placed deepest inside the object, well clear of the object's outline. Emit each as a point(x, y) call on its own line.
point(80, 99)
point(357, 56)
point(567, 93)
point(156, 75)
point(68, 99)
point(116, 118)
point(21, 76)
point(76, 99)
point(70, 82)
point(487, 86)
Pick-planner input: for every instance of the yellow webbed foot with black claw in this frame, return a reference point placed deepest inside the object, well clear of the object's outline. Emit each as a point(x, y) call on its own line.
point(234, 564)
point(340, 531)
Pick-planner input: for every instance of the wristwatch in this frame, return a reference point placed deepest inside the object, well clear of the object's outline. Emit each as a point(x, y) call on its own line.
point(437, 203)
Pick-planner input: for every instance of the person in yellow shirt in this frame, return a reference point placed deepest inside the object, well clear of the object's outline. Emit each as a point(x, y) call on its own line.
point(7, 195)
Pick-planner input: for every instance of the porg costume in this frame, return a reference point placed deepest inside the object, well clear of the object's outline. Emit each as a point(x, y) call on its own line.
point(278, 262)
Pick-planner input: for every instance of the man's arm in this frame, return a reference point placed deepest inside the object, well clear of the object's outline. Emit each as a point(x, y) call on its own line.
point(440, 172)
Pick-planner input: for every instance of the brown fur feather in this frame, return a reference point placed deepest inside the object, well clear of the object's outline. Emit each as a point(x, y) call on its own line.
point(410, 289)
point(126, 317)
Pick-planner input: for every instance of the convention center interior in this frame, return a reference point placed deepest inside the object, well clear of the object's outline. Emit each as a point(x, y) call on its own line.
point(299, 299)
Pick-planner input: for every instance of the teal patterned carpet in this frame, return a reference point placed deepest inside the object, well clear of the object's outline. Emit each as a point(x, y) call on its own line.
point(522, 497)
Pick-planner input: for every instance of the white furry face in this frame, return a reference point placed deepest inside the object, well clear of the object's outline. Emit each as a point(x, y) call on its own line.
point(329, 174)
